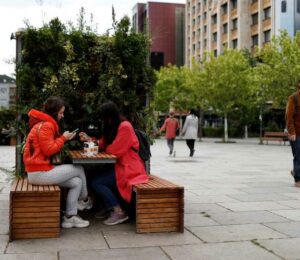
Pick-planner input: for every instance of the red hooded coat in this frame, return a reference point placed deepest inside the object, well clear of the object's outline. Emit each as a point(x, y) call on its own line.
point(41, 143)
point(129, 167)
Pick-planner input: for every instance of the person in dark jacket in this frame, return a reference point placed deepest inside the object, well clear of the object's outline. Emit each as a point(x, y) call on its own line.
point(293, 127)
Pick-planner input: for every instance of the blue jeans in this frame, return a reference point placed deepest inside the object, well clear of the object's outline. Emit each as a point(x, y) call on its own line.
point(104, 185)
point(295, 145)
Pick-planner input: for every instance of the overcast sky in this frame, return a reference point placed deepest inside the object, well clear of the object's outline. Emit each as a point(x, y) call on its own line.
point(13, 13)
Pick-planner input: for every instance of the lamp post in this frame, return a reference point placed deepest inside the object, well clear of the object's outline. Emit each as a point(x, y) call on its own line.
point(260, 125)
point(18, 37)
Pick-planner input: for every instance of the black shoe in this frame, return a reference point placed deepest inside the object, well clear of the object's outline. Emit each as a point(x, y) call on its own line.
point(192, 153)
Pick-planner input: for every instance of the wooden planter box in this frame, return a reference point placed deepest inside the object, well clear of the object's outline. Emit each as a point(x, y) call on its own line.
point(34, 210)
point(159, 206)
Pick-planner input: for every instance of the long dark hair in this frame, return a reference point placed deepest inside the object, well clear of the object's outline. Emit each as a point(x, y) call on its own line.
point(111, 119)
point(52, 106)
point(193, 112)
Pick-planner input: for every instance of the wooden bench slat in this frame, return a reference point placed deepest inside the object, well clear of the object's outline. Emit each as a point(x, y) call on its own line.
point(34, 210)
point(159, 206)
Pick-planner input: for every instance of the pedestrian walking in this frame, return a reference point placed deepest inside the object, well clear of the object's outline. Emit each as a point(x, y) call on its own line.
point(190, 130)
point(171, 125)
point(293, 127)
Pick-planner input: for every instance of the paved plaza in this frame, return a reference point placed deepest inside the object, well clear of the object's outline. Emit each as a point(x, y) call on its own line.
point(240, 203)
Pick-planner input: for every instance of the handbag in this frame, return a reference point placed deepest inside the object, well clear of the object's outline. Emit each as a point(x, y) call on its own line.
point(55, 159)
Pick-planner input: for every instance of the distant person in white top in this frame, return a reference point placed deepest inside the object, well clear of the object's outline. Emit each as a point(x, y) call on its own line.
point(190, 130)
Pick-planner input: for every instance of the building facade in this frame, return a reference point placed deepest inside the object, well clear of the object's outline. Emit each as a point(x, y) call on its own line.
point(7, 91)
point(214, 25)
point(164, 23)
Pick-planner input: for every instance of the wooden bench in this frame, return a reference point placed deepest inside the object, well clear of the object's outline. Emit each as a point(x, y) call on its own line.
point(275, 136)
point(159, 206)
point(34, 210)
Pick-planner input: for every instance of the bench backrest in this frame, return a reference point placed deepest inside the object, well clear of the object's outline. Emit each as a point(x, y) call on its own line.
point(276, 134)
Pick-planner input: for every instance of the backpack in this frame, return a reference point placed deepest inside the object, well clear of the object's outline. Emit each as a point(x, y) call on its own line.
point(144, 150)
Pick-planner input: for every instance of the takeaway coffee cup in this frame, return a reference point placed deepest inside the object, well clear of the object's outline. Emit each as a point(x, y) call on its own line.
point(90, 148)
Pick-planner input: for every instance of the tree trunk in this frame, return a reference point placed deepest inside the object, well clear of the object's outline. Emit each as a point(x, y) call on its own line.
point(246, 131)
point(200, 124)
point(225, 128)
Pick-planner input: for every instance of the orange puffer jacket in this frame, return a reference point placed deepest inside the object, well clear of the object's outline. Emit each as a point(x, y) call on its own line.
point(42, 141)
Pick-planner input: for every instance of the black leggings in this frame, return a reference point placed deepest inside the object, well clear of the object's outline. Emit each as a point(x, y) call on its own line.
point(191, 144)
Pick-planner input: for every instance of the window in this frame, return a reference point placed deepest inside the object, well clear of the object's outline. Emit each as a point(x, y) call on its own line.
point(255, 40)
point(198, 45)
point(194, 35)
point(267, 35)
point(267, 13)
point(194, 48)
point(253, 1)
point(254, 19)
point(214, 19)
point(198, 19)
point(298, 6)
point(205, 43)
point(234, 44)
point(215, 53)
point(224, 8)
point(283, 6)
point(225, 28)
point(204, 28)
point(215, 37)
point(234, 24)
point(204, 16)
point(233, 4)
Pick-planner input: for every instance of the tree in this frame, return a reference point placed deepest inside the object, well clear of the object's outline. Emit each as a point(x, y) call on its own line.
point(227, 83)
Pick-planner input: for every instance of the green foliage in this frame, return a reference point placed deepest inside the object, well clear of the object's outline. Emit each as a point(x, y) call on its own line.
point(85, 70)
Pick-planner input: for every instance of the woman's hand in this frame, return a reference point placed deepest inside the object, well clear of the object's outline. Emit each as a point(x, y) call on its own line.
point(84, 137)
point(69, 135)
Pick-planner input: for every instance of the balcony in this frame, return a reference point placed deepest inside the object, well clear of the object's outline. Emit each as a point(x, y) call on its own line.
point(266, 3)
point(214, 45)
point(224, 18)
point(254, 8)
point(267, 24)
point(234, 34)
point(224, 37)
point(214, 27)
point(254, 29)
point(233, 13)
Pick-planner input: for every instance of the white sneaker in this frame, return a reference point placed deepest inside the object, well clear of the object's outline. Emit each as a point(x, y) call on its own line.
point(82, 205)
point(74, 221)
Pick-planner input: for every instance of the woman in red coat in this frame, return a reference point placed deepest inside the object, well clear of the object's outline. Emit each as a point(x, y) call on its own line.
point(118, 139)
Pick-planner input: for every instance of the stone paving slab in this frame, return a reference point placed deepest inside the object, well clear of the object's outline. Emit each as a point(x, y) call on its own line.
point(3, 243)
point(118, 239)
point(292, 214)
point(124, 254)
point(260, 197)
point(198, 220)
point(235, 233)
point(212, 198)
point(32, 256)
point(246, 217)
point(286, 248)
point(203, 208)
point(291, 229)
point(247, 206)
point(224, 251)
point(70, 239)
point(4, 229)
point(4, 216)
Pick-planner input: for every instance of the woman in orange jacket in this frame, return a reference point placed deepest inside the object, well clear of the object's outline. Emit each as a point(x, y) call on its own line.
point(45, 140)
point(118, 139)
